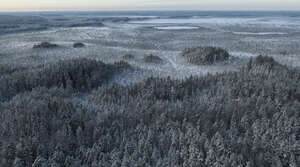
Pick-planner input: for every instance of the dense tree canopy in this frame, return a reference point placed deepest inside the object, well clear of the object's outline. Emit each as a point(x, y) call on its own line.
point(246, 118)
point(78, 74)
point(205, 55)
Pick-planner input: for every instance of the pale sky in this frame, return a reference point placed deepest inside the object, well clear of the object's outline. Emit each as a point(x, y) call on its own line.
point(40, 5)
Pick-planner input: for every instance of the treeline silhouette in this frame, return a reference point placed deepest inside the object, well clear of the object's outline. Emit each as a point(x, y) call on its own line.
point(245, 118)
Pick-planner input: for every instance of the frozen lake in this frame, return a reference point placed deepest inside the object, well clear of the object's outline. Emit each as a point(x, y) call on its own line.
point(293, 22)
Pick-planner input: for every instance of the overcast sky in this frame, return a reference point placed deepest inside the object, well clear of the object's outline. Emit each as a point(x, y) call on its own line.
point(33, 5)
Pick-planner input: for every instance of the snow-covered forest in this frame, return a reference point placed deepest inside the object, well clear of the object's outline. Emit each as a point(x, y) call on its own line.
point(135, 91)
point(244, 118)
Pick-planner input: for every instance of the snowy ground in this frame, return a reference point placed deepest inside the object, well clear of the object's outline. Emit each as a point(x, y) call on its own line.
point(242, 37)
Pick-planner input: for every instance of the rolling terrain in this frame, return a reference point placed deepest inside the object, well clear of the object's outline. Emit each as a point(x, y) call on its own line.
point(150, 88)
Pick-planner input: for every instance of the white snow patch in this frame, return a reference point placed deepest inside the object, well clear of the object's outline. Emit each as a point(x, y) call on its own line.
point(176, 28)
point(260, 33)
point(243, 54)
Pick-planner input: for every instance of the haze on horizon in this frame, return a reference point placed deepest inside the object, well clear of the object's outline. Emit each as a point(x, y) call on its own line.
point(40, 5)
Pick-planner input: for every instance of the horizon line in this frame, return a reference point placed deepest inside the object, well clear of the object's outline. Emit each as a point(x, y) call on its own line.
point(142, 10)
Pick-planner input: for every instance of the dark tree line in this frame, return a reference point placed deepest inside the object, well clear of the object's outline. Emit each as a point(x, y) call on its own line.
point(246, 118)
point(78, 74)
point(205, 55)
